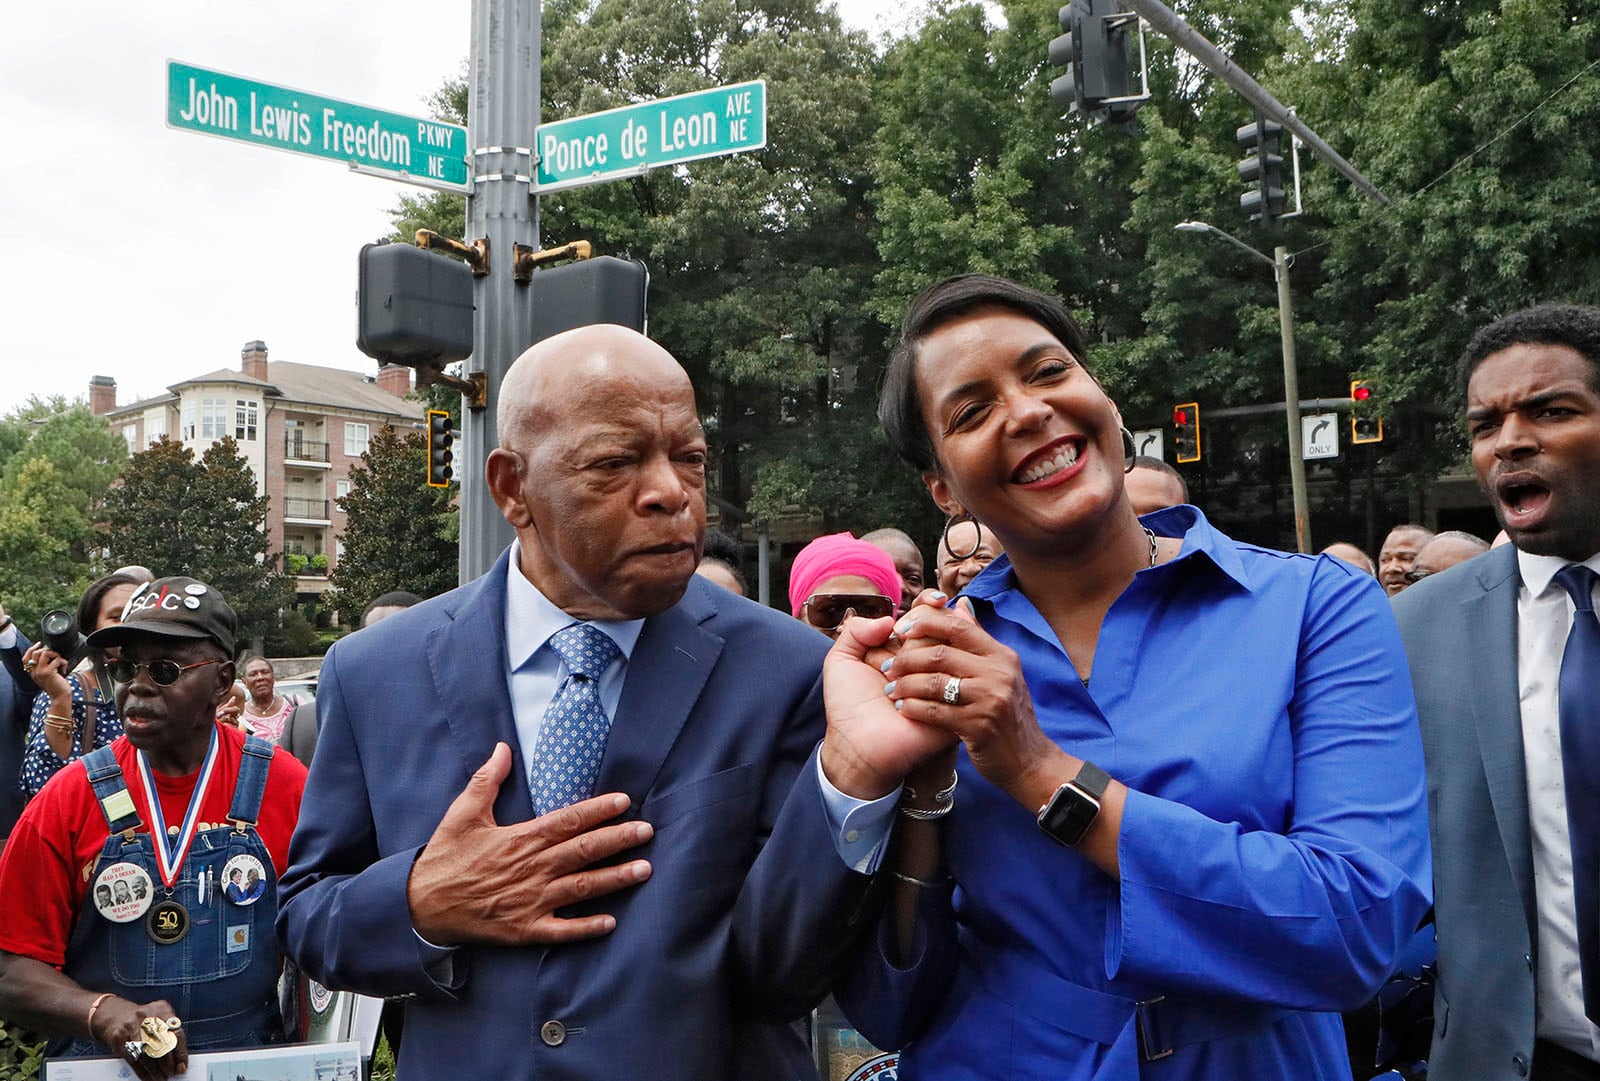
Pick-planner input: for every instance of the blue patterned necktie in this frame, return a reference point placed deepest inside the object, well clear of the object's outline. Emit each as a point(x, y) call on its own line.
point(572, 739)
point(1580, 767)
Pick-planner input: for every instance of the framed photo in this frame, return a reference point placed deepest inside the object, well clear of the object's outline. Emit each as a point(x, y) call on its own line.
point(285, 1062)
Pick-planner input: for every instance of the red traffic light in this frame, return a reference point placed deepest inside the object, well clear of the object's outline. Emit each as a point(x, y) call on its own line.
point(1361, 392)
point(1180, 416)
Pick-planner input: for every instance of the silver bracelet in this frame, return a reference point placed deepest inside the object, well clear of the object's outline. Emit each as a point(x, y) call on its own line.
point(931, 814)
point(922, 883)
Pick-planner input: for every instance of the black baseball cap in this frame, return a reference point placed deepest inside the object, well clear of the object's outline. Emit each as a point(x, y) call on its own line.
point(174, 608)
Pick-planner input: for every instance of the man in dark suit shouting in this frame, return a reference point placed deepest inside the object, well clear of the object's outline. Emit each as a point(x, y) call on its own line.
point(1505, 656)
point(558, 806)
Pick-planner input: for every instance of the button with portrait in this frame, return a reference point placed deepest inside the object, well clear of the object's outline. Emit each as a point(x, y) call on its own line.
point(122, 892)
point(244, 880)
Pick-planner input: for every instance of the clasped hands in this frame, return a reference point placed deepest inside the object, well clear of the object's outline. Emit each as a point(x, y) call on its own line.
point(885, 689)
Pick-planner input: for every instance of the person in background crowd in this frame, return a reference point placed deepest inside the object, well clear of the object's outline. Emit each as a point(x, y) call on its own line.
point(1154, 485)
point(1349, 553)
point(1505, 655)
point(907, 561)
point(299, 736)
point(16, 704)
point(1191, 820)
point(837, 576)
point(60, 730)
point(113, 976)
point(965, 548)
point(1444, 551)
point(1399, 554)
point(265, 711)
point(720, 563)
point(589, 852)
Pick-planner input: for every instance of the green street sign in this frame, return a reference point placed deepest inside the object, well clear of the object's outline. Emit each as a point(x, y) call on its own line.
point(637, 138)
point(406, 148)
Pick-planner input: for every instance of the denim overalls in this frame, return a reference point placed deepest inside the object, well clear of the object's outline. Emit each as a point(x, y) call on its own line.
point(222, 976)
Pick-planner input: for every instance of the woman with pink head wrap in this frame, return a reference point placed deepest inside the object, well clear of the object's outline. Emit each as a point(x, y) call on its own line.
point(837, 575)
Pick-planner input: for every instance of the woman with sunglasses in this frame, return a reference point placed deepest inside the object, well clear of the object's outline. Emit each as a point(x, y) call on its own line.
point(837, 576)
point(1190, 824)
point(60, 730)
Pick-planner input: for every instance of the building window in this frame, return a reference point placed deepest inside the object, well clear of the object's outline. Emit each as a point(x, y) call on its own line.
point(356, 437)
point(188, 419)
point(155, 427)
point(213, 418)
point(131, 434)
point(244, 420)
point(341, 488)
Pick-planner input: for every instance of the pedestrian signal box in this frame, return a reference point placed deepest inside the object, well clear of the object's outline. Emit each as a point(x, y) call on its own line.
point(603, 289)
point(415, 307)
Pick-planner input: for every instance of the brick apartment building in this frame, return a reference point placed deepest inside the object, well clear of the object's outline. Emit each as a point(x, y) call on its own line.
point(301, 427)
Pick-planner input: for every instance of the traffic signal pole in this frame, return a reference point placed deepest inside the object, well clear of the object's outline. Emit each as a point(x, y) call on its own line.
point(502, 115)
point(1281, 261)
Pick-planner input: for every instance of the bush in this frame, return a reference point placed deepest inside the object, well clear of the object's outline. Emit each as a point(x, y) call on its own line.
point(295, 562)
point(21, 1053)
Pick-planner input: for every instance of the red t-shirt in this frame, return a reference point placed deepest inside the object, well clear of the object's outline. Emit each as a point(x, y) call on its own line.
point(50, 856)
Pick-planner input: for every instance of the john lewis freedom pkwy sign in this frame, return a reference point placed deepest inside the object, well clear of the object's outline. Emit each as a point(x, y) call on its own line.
point(427, 152)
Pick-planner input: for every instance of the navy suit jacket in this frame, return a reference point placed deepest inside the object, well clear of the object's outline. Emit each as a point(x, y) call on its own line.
point(745, 921)
point(1460, 631)
point(17, 691)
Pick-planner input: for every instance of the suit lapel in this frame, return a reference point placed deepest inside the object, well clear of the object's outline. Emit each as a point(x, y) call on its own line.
point(669, 668)
point(1490, 615)
point(467, 658)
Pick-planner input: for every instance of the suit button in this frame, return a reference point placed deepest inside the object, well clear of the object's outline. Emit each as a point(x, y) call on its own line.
point(1519, 1063)
point(553, 1033)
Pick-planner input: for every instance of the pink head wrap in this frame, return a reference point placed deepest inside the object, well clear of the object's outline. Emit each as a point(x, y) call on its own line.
point(835, 555)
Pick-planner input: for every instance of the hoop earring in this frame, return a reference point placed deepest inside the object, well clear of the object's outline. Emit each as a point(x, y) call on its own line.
point(1132, 451)
point(957, 519)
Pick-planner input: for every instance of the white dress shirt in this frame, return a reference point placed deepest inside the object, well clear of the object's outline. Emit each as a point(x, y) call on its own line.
point(1544, 618)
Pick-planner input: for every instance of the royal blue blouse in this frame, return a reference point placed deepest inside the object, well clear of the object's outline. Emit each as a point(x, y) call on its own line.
point(1274, 846)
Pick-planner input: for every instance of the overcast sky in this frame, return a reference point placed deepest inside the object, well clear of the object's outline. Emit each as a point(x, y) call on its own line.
point(151, 255)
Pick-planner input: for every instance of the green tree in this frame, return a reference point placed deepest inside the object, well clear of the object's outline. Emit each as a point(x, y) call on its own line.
point(58, 465)
point(399, 533)
point(177, 515)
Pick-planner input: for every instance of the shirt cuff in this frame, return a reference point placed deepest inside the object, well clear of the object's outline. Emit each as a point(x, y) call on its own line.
point(439, 963)
point(8, 637)
point(860, 828)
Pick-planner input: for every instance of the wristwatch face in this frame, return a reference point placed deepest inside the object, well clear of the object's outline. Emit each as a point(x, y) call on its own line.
point(1069, 814)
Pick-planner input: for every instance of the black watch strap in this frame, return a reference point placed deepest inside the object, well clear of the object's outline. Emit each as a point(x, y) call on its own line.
point(1068, 814)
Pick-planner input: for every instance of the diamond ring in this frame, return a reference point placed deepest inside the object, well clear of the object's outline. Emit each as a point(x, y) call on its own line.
point(952, 690)
point(133, 1048)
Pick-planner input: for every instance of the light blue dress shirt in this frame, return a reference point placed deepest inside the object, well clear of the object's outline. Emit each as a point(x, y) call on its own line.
point(1273, 851)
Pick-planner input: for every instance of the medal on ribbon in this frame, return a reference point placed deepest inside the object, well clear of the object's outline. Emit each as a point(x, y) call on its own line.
point(168, 921)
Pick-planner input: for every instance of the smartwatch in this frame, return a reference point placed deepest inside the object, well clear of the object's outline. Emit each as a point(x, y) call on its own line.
point(1067, 815)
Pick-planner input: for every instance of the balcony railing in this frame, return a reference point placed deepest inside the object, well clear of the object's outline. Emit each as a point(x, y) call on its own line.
point(304, 450)
point(316, 509)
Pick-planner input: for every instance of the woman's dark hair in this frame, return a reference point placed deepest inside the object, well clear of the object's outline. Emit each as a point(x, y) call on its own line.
point(93, 597)
point(1576, 326)
point(899, 410)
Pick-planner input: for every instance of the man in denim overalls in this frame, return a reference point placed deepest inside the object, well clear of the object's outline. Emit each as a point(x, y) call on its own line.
point(160, 960)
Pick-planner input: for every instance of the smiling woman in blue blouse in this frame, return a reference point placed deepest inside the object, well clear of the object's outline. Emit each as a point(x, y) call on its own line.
point(1190, 823)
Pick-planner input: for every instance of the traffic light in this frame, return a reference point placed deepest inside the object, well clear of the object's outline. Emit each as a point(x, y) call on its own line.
point(1262, 168)
point(441, 437)
point(1094, 50)
point(414, 307)
point(599, 290)
point(1366, 425)
point(1186, 431)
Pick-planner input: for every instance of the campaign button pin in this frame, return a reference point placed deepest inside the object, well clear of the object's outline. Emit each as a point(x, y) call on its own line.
point(244, 880)
point(195, 589)
point(123, 892)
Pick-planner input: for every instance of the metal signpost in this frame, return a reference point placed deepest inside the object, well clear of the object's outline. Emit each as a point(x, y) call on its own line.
point(634, 139)
point(407, 148)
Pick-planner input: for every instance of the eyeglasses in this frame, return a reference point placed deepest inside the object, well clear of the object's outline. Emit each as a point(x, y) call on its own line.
point(1415, 576)
point(163, 673)
point(825, 611)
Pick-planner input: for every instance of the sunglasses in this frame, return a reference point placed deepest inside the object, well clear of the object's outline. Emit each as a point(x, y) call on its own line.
point(825, 611)
point(162, 673)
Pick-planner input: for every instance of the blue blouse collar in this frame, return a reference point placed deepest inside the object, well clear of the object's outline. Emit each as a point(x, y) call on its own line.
point(1202, 544)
